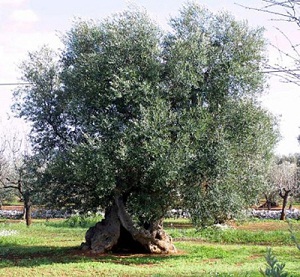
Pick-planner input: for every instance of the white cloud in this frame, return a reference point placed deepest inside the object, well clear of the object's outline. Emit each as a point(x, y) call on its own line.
point(24, 16)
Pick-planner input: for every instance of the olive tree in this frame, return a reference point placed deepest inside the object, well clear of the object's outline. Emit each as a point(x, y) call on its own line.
point(14, 179)
point(3, 172)
point(284, 181)
point(132, 119)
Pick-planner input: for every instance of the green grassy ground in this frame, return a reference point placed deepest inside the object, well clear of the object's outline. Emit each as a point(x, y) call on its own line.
point(51, 249)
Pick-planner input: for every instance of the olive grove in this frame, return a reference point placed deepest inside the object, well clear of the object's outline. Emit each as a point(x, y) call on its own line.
point(133, 120)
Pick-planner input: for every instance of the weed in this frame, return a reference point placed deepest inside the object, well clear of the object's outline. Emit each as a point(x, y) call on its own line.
point(274, 268)
point(293, 235)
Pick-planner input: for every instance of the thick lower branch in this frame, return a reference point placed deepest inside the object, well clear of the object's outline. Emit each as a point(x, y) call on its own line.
point(155, 240)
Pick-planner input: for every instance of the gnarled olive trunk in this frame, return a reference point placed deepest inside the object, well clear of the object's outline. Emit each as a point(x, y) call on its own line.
point(118, 233)
point(284, 195)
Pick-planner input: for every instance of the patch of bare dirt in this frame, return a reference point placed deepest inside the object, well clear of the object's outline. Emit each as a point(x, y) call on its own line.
point(211, 261)
point(13, 208)
point(262, 226)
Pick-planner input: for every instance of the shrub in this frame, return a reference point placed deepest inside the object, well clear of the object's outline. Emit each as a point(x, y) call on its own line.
point(274, 268)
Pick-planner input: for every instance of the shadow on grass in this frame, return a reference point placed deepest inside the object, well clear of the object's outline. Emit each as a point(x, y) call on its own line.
point(29, 256)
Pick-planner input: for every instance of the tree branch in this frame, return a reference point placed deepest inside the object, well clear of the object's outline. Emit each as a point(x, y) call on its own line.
point(289, 12)
point(10, 187)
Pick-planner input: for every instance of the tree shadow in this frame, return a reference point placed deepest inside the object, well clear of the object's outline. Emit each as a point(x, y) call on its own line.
point(30, 256)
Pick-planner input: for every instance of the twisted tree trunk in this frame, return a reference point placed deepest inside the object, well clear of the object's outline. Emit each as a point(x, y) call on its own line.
point(284, 196)
point(118, 233)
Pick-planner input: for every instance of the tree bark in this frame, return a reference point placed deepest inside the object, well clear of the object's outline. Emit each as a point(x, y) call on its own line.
point(118, 233)
point(27, 208)
point(284, 203)
point(154, 239)
point(105, 234)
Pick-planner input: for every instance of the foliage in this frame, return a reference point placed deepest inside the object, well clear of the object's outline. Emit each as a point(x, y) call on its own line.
point(294, 236)
point(274, 269)
point(82, 221)
point(158, 118)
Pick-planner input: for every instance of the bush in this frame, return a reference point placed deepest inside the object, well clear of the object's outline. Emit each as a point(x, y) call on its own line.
point(274, 268)
point(83, 220)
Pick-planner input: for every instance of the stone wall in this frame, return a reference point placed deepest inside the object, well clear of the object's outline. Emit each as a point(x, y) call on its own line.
point(275, 214)
point(37, 213)
point(43, 213)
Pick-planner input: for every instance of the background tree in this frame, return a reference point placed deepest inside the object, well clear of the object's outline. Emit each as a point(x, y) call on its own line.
point(13, 177)
point(3, 173)
point(9, 146)
point(284, 178)
point(131, 119)
point(287, 12)
point(270, 194)
point(292, 159)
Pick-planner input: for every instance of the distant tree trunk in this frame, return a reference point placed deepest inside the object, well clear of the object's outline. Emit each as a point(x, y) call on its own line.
point(291, 205)
point(269, 203)
point(285, 197)
point(117, 233)
point(27, 208)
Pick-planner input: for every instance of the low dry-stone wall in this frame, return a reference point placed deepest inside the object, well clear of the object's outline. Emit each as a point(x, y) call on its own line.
point(261, 214)
point(38, 213)
point(275, 214)
point(11, 214)
point(47, 214)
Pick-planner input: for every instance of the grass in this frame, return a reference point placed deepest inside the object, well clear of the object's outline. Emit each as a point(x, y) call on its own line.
point(51, 249)
point(260, 232)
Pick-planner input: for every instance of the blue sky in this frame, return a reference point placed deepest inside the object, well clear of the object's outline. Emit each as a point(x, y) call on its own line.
point(26, 25)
